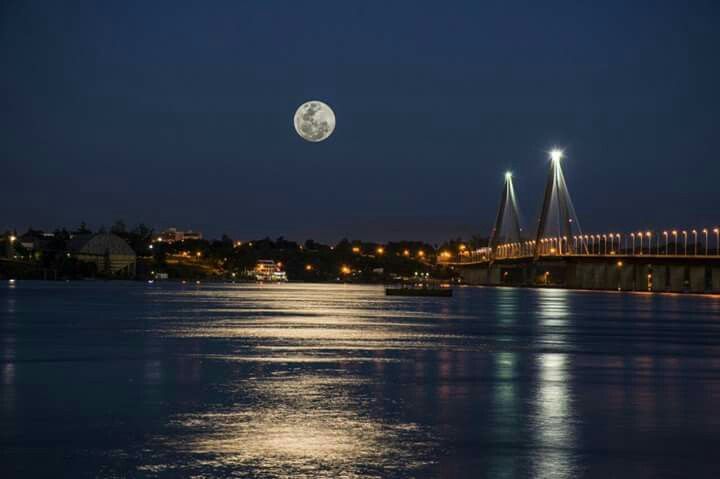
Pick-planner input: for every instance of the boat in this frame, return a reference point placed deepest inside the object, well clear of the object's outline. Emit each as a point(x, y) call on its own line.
point(420, 291)
point(428, 287)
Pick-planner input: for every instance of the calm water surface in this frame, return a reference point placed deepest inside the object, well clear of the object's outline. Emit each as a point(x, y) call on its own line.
point(169, 380)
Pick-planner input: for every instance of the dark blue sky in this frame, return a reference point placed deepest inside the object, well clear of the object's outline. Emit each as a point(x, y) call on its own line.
point(180, 114)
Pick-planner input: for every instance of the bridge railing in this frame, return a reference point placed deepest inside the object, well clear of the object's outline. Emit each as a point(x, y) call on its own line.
point(675, 242)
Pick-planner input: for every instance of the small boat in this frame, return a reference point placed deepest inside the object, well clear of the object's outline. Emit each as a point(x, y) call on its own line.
point(422, 289)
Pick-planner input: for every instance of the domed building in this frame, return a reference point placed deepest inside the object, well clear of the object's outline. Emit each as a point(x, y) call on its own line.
point(110, 253)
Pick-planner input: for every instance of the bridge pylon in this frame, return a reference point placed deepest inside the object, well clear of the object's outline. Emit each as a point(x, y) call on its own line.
point(558, 221)
point(507, 227)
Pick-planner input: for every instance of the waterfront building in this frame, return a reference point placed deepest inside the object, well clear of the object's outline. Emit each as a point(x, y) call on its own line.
point(268, 270)
point(171, 235)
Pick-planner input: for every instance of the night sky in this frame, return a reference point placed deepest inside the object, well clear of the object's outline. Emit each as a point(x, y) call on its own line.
point(180, 114)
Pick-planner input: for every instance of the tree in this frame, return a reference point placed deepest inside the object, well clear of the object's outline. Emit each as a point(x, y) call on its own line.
point(119, 228)
point(83, 229)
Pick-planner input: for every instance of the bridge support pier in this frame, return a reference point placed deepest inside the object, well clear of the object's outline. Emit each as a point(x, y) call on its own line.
point(697, 279)
point(612, 277)
point(474, 275)
point(716, 280)
point(642, 278)
point(627, 278)
point(659, 278)
point(677, 279)
point(494, 276)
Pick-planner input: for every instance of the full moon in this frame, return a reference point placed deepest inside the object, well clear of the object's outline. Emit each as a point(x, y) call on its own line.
point(314, 121)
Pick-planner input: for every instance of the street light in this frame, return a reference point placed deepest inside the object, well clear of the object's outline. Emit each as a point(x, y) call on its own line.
point(556, 155)
point(674, 233)
point(694, 232)
point(717, 241)
point(632, 235)
point(665, 234)
point(640, 235)
point(649, 237)
point(685, 239)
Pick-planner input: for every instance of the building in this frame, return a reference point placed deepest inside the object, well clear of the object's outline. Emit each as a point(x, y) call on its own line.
point(110, 253)
point(268, 270)
point(172, 235)
point(36, 240)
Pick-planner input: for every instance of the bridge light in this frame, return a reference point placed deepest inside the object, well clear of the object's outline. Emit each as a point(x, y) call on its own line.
point(508, 175)
point(556, 155)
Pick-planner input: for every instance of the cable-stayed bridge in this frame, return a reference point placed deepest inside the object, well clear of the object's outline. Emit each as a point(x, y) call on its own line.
point(558, 253)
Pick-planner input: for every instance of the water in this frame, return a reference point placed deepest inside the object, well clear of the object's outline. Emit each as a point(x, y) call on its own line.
point(168, 380)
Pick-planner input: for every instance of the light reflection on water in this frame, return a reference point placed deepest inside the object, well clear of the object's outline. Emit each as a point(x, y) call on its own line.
point(341, 381)
point(302, 425)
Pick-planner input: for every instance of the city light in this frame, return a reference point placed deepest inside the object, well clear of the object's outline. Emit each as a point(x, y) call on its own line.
point(345, 270)
point(355, 249)
point(406, 252)
point(12, 238)
point(380, 250)
point(308, 267)
point(421, 253)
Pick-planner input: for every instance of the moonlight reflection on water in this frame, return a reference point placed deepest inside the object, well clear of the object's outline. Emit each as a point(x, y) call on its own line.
point(306, 426)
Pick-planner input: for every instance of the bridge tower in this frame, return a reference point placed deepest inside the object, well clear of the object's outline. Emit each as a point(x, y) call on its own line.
point(557, 217)
point(507, 224)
